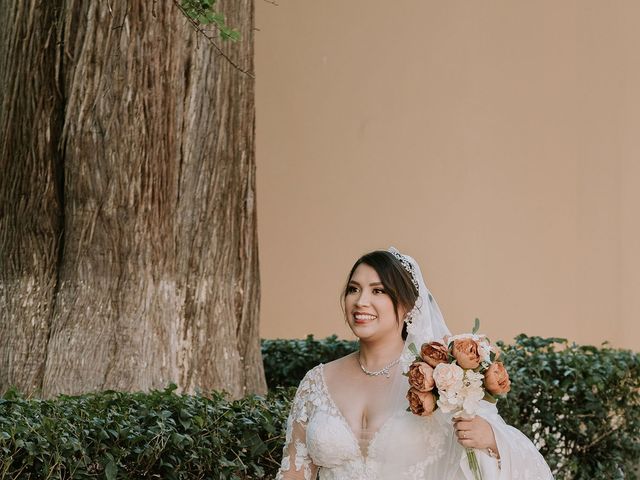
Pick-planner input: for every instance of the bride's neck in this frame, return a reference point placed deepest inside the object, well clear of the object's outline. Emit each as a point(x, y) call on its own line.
point(374, 354)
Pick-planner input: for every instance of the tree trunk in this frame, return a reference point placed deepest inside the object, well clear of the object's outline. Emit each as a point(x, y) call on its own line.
point(30, 196)
point(154, 278)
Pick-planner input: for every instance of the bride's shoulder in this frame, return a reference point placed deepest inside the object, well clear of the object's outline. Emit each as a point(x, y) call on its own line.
point(334, 367)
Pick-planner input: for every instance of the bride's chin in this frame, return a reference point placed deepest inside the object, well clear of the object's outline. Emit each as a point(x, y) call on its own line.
point(362, 332)
point(358, 331)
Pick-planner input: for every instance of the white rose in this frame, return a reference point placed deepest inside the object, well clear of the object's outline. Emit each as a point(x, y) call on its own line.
point(452, 396)
point(472, 397)
point(448, 376)
point(485, 352)
point(448, 403)
point(473, 379)
point(472, 391)
point(466, 336)
point(445, 406)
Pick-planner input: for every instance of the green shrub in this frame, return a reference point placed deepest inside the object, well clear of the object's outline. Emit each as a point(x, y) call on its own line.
point(116, 435)
point(580, 404)
point(286, 361)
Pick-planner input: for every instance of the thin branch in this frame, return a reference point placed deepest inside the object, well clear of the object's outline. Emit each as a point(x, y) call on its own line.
point(212, 41)
point(598, 439)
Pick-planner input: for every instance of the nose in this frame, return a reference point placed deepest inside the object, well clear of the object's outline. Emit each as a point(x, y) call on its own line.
point(363, 299)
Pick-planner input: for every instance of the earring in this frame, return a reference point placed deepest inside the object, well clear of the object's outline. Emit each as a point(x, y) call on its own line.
point(408, 318)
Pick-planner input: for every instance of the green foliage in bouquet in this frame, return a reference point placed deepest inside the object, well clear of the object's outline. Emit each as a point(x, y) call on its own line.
point(114, 435)
point(287, 361)
point(580, 405)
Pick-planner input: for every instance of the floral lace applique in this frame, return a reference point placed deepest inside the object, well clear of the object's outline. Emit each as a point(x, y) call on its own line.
point(295, 448)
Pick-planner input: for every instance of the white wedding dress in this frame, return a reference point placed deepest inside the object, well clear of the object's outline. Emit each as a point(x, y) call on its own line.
point(320, 444)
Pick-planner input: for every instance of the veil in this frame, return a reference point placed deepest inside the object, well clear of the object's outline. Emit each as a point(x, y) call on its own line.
point(424, 322)
point(413, 444)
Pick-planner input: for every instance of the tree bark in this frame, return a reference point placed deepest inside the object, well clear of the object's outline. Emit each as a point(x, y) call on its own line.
point(30, 196)
point(156, 271)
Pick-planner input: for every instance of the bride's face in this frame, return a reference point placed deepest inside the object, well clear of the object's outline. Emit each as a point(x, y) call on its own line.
point(369, 310)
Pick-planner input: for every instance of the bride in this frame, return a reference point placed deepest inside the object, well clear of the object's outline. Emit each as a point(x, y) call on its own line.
point(349, 418)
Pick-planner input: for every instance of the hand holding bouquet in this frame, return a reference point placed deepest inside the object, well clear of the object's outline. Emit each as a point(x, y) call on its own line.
point(455, 375)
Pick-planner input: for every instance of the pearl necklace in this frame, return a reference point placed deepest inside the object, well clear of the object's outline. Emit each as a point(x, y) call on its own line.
point(384, 371)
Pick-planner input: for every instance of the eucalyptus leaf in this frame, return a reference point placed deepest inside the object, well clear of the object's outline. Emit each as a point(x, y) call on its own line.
point(476, 326)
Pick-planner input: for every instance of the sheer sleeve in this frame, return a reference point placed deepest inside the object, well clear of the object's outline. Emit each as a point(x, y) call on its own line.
point(296, 462)
point(519, 458)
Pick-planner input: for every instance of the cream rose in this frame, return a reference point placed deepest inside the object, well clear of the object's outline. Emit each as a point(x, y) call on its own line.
point(421, 376)
point(448, 376)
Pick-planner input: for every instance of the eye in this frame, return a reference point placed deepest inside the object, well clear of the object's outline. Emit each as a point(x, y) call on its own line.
point(378, 291)
point(351, 289)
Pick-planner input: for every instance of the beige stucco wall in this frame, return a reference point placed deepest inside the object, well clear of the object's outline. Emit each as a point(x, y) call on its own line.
point(496, 142)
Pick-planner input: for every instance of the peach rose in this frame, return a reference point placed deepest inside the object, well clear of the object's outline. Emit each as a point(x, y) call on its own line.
point(496, 379)
point(421, 403)
point(465, 351)
point(421, 376)
point(434, 353)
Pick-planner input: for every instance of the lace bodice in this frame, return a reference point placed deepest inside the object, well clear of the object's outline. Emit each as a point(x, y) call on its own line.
point(320, 442)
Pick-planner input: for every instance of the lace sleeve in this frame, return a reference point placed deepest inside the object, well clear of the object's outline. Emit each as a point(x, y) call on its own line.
point(519, 458)
point(296, 463)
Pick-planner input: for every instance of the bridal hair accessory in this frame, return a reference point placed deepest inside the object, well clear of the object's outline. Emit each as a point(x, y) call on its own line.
point(406, 265)
point(384, 371)
point(409, 316)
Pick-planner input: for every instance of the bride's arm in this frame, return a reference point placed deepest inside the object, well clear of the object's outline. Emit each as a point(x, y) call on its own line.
point(477, 433)
point(296, 463)
point(518, 456)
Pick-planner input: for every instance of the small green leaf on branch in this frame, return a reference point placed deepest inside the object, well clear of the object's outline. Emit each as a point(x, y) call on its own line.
point(205, 13)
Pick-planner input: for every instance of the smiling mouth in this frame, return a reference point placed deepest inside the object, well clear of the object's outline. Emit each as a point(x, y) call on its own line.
point(363, 317)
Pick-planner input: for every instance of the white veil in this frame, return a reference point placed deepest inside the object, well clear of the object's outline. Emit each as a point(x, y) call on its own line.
point(424, 322)
point(411, 444)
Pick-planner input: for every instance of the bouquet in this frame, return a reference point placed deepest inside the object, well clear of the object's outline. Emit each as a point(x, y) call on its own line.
point(455, 375)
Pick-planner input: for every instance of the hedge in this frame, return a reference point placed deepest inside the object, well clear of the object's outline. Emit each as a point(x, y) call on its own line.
point(580, 404)
point(116, 435)
point(287, 361)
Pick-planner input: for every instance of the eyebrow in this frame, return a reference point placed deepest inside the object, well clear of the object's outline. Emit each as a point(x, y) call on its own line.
point(371, 284)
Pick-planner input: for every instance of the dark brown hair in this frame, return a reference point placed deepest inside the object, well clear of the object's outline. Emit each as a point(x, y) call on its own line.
point(395, 279)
